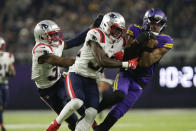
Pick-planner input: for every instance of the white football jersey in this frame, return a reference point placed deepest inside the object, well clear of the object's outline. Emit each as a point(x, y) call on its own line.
point(45, 75)
point(85, 63)
point(6, 59)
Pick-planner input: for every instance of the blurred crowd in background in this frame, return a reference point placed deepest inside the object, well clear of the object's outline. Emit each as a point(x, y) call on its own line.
point(19, 17)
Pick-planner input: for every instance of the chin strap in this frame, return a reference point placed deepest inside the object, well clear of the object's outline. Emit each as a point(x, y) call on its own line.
point(155, 33)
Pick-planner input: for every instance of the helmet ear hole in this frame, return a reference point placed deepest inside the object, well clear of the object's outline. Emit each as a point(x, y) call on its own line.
point(41, 38)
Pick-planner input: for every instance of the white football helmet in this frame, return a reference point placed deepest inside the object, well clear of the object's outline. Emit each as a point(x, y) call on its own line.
point(2, 44)
point(113, 25)
point(48, 32)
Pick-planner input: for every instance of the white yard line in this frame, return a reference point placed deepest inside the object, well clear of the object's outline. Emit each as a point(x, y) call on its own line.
point(24, 126)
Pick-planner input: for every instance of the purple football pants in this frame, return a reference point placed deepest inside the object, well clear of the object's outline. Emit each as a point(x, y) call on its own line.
point(132, 90)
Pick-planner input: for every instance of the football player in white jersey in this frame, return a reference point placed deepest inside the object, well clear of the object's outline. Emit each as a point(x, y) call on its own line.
point(46, 59)
point(99, 46)
point(6, 70)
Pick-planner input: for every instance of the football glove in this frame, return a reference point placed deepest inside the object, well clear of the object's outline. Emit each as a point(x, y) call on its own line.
point(137, 46)
point(131, 64)
point(119, 55)
point(145, 36)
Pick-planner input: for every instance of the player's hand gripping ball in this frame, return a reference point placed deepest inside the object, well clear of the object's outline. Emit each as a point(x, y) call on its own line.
point(144, 37)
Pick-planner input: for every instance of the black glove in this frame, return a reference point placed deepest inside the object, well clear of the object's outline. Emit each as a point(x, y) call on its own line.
point(98, 21)
point(132, 52)
point(145, 36)
point(137, 47)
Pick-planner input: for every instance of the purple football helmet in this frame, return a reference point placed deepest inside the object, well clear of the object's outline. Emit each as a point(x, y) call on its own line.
point(156, 16)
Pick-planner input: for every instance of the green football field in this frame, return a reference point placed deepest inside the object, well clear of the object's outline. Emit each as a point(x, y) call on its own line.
point(135, 120)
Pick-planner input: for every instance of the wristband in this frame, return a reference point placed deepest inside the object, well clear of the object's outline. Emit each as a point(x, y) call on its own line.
point(148, 49)
point(125, 65)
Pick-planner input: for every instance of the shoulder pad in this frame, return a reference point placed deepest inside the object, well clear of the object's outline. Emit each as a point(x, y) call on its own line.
point(42, 48)
point(96, 35)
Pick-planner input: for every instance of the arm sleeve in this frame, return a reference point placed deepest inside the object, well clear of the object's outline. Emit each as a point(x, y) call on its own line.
point(77, 40)
point(134, 30)
point(130, 30)
point(166, 42)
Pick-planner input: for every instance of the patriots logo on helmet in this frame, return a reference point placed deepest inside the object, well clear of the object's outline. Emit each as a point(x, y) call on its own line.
point(113, 15)
point(44, 26)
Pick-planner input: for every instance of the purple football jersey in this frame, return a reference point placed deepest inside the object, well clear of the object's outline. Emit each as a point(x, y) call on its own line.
point(143, 75)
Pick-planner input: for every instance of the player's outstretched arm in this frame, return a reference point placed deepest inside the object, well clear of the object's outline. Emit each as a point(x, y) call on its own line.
point(76, 40)
point(101, 57)
point(80, 38)
point(106, 62)
point(56, 60)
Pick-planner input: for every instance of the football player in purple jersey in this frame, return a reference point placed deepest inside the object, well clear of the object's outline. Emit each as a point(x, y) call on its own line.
point(148, 44)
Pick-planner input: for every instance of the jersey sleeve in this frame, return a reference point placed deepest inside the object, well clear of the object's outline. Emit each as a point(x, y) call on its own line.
point(130, 30)
point(165, 42)
point(134, 30)
point(96, 35)
point(42, 49)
